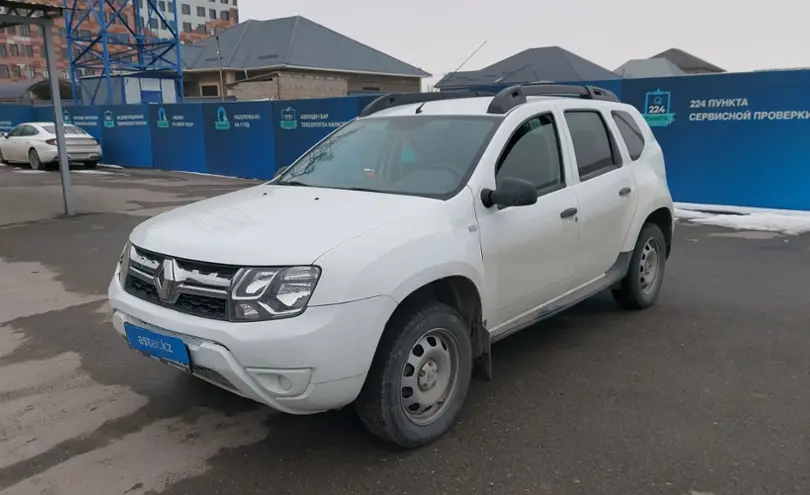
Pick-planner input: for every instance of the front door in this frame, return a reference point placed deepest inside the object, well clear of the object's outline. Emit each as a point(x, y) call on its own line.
point(13, 144)
point(530, 251)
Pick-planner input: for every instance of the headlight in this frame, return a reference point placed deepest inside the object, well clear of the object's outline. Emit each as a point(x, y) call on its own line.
point(270, 293)
point(123, 263)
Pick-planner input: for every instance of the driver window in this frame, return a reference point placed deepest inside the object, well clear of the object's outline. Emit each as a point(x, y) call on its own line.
point(533, 154)
point(16, 131)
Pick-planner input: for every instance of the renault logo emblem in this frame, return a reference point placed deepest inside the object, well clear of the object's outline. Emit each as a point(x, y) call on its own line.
point(167, 279)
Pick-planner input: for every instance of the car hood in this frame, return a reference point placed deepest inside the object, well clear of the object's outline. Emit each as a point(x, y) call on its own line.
point(271, 225)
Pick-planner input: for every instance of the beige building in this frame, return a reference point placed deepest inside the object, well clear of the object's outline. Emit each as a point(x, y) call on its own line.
point(291, 58)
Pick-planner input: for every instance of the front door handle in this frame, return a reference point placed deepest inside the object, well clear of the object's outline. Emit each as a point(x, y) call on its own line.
point(624, 191)
point(570, 212)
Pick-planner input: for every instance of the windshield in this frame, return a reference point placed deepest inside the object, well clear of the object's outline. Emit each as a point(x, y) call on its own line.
point(420, 155)
point(69, 129)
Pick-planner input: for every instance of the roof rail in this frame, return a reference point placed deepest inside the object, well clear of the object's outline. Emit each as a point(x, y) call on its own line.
point(509, 98)
point(398, 99)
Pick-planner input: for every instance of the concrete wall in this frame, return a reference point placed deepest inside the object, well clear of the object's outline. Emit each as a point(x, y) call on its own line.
point(291, 86)
point(307, 84)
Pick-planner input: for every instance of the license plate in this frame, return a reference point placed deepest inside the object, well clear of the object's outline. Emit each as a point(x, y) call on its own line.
point(162, 347)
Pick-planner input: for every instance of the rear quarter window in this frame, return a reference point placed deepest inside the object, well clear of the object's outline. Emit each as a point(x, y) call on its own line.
point(631, 133)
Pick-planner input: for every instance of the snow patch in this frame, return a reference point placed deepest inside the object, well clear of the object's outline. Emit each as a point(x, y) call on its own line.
point(689, 214)
point(93, 172)
point(213, 175)
point(742, 210)
point(789, 223)
point(27, 171)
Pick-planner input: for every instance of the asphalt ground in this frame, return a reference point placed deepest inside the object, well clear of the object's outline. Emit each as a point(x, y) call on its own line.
point(706, 393)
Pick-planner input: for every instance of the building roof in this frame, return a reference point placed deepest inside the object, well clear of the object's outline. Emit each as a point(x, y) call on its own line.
point(686, 61)
point(292, 42)
point(550, 63)
point(39, 89)
point(649, 67)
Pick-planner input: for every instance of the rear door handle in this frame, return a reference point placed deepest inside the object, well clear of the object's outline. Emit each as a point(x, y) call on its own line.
point(624, 191)
point(570, 212)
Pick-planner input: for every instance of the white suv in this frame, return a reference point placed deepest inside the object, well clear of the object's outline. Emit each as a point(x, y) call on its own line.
point(378, 269)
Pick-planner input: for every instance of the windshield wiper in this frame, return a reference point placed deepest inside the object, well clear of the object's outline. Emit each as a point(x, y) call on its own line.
point(292, 183)
point(362, 189)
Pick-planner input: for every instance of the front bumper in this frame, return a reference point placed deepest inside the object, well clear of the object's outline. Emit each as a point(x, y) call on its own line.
point(312, 363)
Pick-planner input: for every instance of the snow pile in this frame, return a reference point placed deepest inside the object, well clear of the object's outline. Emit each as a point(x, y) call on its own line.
point(790, 223)
point(93, 172)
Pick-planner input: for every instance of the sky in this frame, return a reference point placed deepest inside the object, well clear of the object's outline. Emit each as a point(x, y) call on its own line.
point(438, 35)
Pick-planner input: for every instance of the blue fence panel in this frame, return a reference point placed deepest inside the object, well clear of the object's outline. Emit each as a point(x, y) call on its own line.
point(302, 123)
point(127, 135)
point(732, 139)
point(86, 117)
point(12, 115)
point(42, 113)
point(239, 139)
point(178, 137)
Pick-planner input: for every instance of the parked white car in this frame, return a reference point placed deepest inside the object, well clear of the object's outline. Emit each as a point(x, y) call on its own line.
point(378, 269)
point(34, 143)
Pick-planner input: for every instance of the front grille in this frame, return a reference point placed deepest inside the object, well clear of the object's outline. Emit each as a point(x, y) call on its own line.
point(201, 289)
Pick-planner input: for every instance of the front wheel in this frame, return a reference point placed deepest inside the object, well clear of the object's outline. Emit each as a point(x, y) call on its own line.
point(642, 284)
point(419, 377)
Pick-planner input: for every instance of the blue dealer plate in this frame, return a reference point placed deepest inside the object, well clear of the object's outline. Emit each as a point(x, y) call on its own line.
point(170, 349)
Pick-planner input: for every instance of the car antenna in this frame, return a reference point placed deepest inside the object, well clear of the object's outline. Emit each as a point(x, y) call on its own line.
point(450, 74)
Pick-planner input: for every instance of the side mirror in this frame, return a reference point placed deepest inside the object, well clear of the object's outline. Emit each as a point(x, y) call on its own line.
point(3, 135)
point(511, 192)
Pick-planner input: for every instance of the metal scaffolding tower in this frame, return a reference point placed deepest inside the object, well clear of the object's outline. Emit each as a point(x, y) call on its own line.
point(107, 38)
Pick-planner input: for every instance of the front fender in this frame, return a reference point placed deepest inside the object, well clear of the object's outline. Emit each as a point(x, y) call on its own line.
point(401, 256)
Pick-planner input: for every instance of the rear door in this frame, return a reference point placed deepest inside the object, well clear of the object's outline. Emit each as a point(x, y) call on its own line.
point(606, 190)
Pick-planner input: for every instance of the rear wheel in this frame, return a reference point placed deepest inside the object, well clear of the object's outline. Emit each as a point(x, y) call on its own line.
point(90, 165)
point(34, 160)
point(642, 284)
point(419, 378)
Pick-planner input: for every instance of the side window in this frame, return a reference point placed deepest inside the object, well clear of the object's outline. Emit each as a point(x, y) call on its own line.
point(533, 154)
point(17, 131)
point(593, 146)
point(31, 130)
point(631, 133)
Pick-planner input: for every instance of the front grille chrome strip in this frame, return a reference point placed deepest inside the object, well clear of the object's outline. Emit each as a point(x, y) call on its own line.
point(201, 289)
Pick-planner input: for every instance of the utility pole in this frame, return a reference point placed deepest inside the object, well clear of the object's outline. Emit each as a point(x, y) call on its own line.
point(221, 73)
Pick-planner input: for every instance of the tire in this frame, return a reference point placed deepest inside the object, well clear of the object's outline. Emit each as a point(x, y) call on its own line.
point(90, 165)
point(435, 341)
point(34, 160)
point(2, 158)
point(642, 284)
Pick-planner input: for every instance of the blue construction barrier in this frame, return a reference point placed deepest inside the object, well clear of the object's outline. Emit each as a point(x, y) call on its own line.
point(12, 115)
point(178, 137)
point(732, 139)
point(127, 135)
point(239, 139)
point(729, 139)
point(302, 123)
